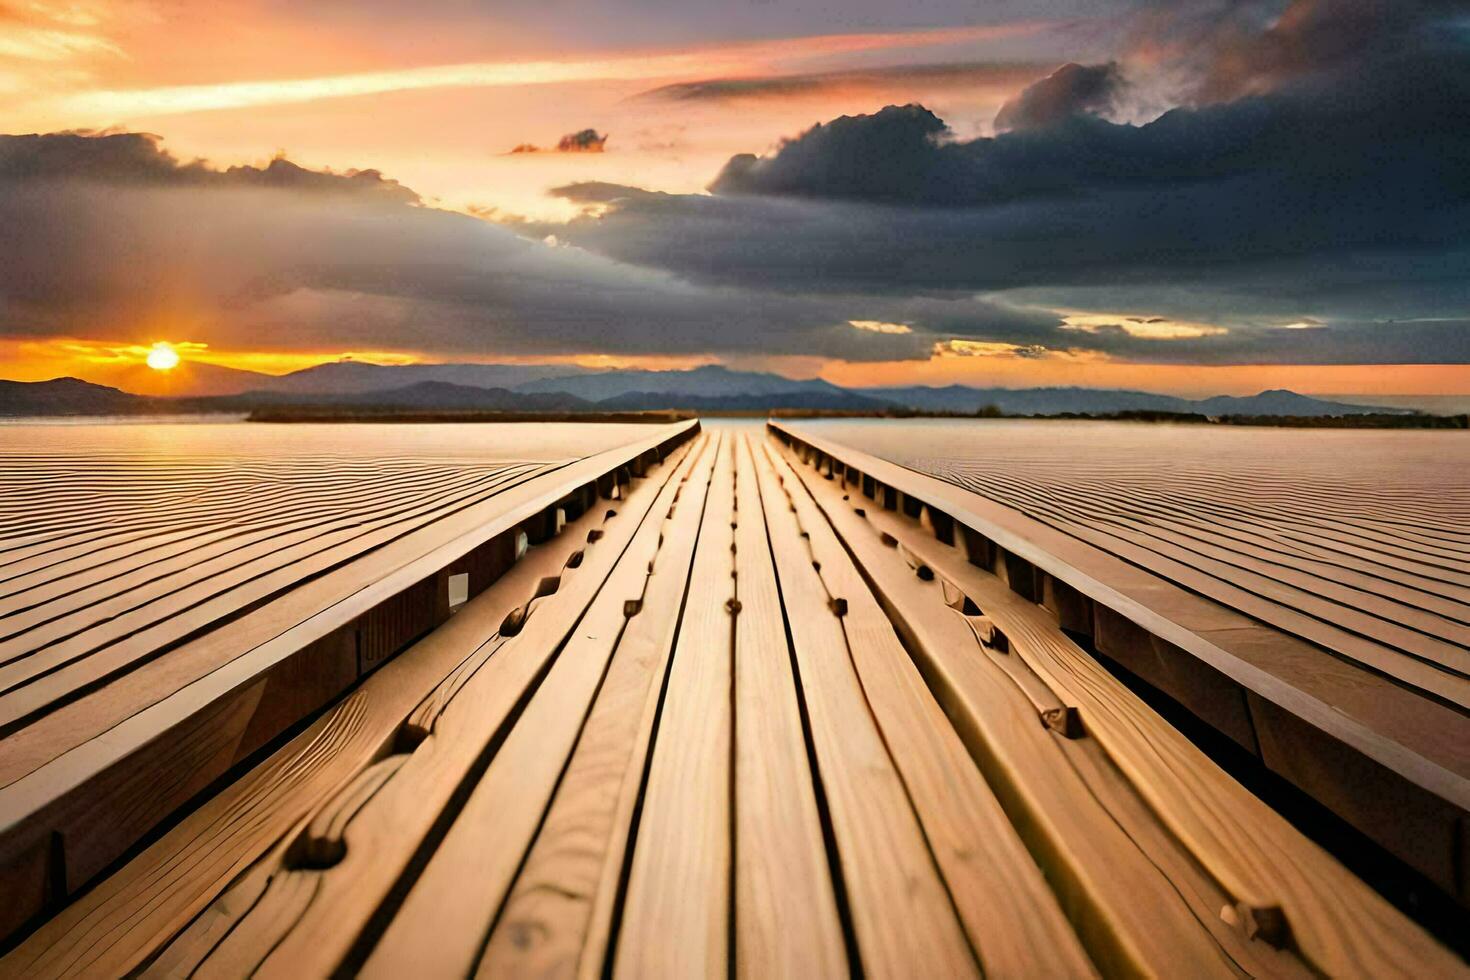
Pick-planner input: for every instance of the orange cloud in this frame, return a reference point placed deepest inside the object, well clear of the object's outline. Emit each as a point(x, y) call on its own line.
point(1143, 327)
point(108, 105)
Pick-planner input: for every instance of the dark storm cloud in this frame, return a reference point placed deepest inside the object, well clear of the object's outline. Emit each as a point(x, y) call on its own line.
point(105, 234)
point(1345, 342)
point(137, 159)
point(1246, 47)
point(1250, 184)
point(1071, 90)
point(774, 87)
point(1342, 191)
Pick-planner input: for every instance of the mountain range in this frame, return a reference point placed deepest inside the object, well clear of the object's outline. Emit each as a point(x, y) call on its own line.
point(353, 385)
point(1104, 401)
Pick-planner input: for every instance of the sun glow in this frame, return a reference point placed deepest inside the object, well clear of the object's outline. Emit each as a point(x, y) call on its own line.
point(162, 357)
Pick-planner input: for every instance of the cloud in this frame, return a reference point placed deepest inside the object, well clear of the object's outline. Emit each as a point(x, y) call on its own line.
point(1071, 90)
point(616, 65)
point(762, 88)
point(879, 326)
point(1340, 195)
point(1328, 189)
point(1147, 328)
point(111, 238)
point(582, 141)
point(138, 159)
point(978, 348)
point(1226, 51)
point(896, 155)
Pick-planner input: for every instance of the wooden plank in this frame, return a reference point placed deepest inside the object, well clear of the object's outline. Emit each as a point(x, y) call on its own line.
point(1209, 694)
point(446, 917)
point(1064, 493)
point(558, 917)
point(1288, 534)
point(107, 536)
point(378, 844)
point(103, 573)
point(113, 637)
point(1340, 925)
point(312, 612)
point(786, 920)
point(1334, 616)
point(676, 911)
point(1425, 742)
point(72, 795)
point(902, 916)
point(929, 600)
point(132, 913)
point(1130, 918)
point(1264, 547)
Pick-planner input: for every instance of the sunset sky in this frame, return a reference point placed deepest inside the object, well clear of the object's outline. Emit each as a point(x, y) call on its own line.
point(1198, 197)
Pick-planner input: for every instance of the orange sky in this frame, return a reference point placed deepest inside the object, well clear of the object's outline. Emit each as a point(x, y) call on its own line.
point(122, 366)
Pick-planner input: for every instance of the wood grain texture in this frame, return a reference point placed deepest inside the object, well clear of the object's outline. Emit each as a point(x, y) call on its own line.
point(1226, 514)
point(379, 843)
point(443, 922)
point(678, 884)
point(134, 912)
point(53, 675)
point(786, 920)
point(901, 912)
point(1127, 914)
point(1425, 741)
point(735, 719)
point(1338, 925)
point(73, 770)
point(557, 920)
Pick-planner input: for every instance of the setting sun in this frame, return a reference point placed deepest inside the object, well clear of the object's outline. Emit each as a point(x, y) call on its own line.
point(162, 357)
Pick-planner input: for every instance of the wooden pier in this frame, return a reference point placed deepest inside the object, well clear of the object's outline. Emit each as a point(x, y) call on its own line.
point(166, 613)
point(1325, 632)
point(707, 709)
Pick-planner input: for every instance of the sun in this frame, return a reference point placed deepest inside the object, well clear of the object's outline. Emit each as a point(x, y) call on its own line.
point(162, 357)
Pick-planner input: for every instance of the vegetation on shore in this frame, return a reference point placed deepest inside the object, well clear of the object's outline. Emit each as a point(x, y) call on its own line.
point(339, 414)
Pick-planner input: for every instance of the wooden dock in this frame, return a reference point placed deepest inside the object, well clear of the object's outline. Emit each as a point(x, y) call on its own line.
point(1323, 628)
point(166, 610)
point(725, 715)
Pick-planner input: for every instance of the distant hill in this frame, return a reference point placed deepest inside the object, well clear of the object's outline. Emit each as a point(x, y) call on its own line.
point(1030, 401)
point(424, 395)
point(1279, 401)
point(66, 396)
point(360, 376)
point(711, 381)
point(419, 387)
point(196, 379)
point(189, 380)
point(1106, 401)
point(836, 400)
